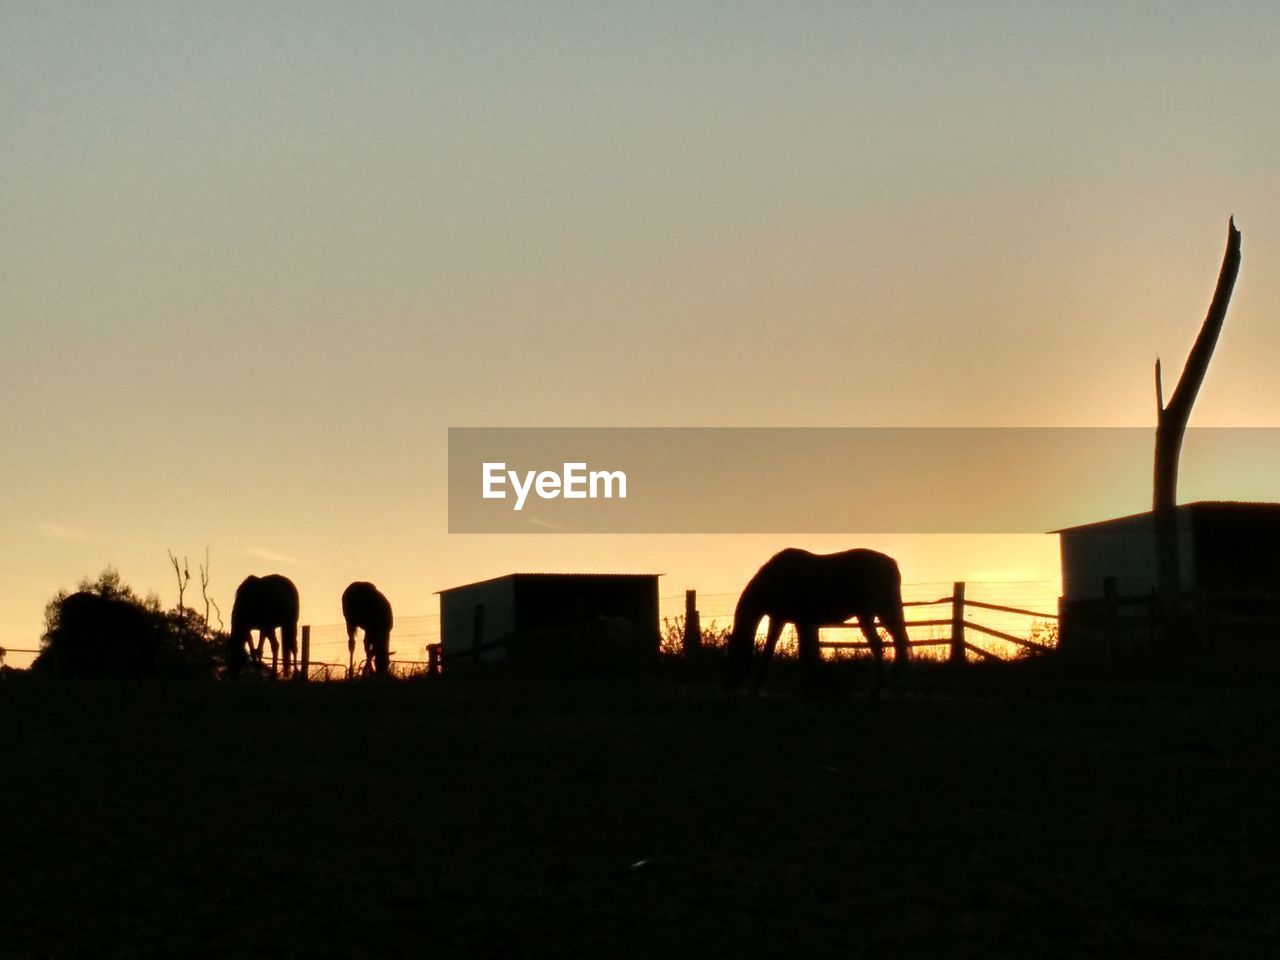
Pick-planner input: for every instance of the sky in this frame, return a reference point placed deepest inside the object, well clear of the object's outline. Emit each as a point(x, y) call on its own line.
point(258, 258)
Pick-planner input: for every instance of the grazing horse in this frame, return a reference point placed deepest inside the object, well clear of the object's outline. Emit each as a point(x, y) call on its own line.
point(813, 590)
point(364, 606)
point(263, 604)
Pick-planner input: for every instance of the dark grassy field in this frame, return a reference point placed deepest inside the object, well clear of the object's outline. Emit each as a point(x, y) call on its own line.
point(492, 816)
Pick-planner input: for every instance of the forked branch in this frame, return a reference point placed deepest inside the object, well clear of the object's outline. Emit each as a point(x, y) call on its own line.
point(1171, 423)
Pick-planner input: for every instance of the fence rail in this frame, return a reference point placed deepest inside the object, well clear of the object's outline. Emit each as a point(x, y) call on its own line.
point(957, 641)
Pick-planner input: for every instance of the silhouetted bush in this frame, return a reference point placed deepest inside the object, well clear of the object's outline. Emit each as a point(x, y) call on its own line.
point(1043, 632)
point(671, 643)
point(105, 630)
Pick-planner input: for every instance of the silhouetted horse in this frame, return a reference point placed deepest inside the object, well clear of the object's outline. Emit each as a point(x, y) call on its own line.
point(364, 606)
point(811, 590)
point(263, 604)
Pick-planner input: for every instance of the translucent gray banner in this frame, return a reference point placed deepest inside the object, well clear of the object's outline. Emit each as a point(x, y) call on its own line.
point(832, 480)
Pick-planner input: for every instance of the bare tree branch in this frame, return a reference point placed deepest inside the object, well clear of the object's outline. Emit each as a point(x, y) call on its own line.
point(183, 573)
point(1184, 395)
point(1171, 425)
point(204, 592)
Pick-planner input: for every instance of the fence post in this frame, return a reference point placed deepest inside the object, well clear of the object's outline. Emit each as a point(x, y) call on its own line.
point(306, 651)
point(692, 641)
point(957, 622)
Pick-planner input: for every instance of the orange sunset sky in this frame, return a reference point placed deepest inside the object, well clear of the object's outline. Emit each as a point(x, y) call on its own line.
point(258, 258)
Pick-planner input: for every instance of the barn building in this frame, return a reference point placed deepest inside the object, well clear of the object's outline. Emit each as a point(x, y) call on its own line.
point(601, 619)
point(1229, 554)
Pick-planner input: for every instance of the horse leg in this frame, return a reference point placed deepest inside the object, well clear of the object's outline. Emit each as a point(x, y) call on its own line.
point(275, 649)
point(289, 641)
point(771, 641)
point(810, 653)
point(894, 623)
point(351, 649)
point(867, 623)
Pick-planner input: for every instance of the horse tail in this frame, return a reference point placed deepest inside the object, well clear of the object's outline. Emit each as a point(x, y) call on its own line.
point(893, 616)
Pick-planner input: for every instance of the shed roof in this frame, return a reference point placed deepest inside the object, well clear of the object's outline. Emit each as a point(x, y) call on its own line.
point(1210, 509)
point(554, 576)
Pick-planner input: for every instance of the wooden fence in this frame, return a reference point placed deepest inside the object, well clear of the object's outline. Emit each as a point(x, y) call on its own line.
point(958, 640)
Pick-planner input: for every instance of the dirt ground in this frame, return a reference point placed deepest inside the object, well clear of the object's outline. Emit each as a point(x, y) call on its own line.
point(501, 816)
